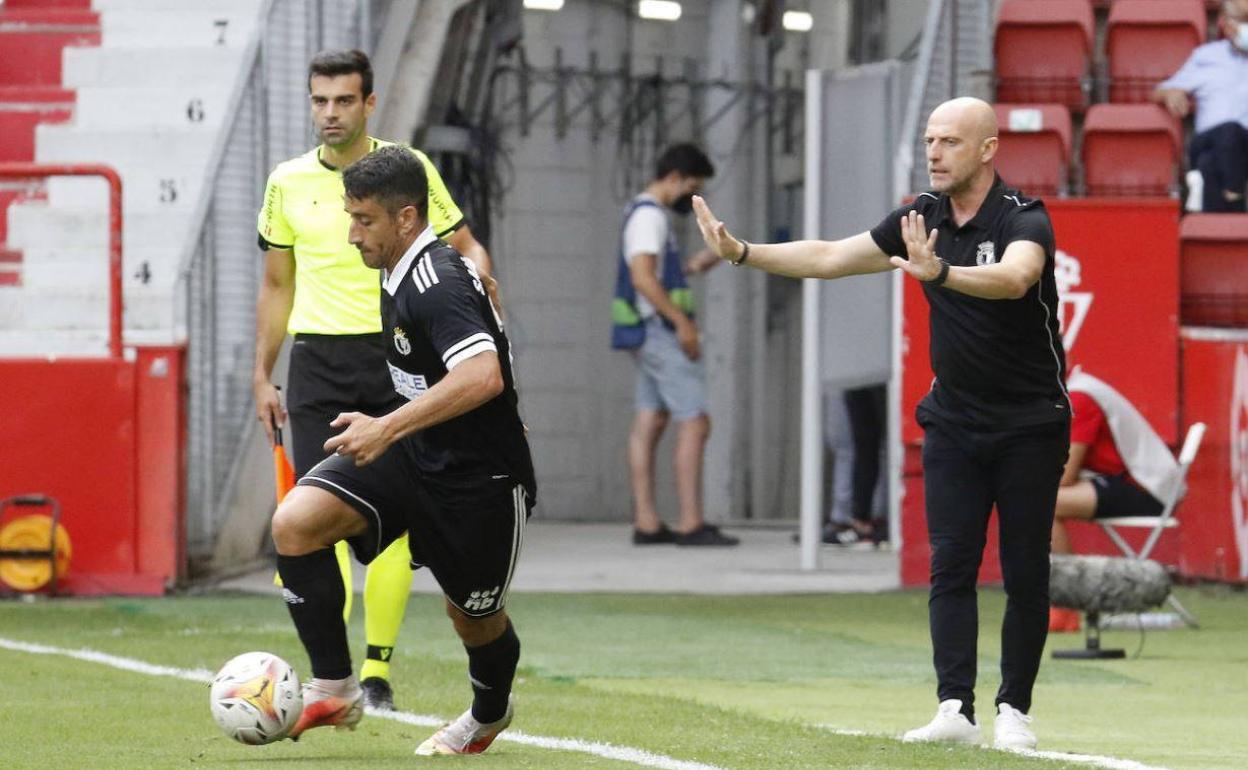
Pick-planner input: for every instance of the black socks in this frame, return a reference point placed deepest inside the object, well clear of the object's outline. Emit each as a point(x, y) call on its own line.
point(491, 668)
point(314, 594)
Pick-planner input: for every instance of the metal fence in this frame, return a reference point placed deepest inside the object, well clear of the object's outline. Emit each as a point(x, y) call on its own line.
point(955, 59)
point(220, 269)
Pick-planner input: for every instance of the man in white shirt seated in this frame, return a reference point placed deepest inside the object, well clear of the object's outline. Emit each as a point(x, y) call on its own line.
point(1216, 75)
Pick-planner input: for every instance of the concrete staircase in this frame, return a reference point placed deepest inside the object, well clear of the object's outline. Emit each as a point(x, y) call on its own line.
point(150, 102)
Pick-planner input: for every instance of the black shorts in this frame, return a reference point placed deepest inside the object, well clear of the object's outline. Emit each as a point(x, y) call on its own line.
point(1120, 496)
point(468, 531)
point(328, 375)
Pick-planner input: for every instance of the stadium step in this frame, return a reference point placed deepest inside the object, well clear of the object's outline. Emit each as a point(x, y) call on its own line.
point(36, 223)
point(151, 107)
point(183, 67)
point(32, 40)
point(166, 26)
point(36, 310)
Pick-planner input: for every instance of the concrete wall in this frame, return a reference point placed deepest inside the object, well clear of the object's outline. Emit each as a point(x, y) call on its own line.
point(556, 239)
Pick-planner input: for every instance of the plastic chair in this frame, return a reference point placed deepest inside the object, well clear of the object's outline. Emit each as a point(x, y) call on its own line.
point(1147, 41)
point(1159, 524)
point(1131, 150)
point(1213, 272)
point(1034, 153)
point(1043, 52)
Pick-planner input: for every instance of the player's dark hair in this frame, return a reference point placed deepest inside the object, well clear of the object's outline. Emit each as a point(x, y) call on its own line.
point(685, 159)
point(393, 176)
point(345, 62)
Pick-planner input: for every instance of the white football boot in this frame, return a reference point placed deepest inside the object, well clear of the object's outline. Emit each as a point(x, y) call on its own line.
point(465, 735)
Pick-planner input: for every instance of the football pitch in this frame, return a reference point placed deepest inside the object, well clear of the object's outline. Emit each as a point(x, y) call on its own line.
point(622, 681)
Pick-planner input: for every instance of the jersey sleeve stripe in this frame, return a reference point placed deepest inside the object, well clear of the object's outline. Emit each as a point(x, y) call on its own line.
point(469, 352)
point(418, 278)
point(465, 342)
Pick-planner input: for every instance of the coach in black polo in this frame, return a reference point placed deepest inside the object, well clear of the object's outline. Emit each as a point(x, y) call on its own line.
point(997, 419)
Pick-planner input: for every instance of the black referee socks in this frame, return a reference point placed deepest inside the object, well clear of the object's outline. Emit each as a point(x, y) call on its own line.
point(314, 594)
point(491, 667)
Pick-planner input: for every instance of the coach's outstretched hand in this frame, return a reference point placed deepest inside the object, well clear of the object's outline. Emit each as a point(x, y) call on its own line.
point(920, 247)
point(716, 234)
point(365, 439)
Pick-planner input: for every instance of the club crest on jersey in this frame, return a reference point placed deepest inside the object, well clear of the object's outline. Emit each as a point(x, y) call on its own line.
point(986, 254)
point(401, 342)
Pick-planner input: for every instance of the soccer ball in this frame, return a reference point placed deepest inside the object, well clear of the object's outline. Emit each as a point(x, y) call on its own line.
point(256, 698)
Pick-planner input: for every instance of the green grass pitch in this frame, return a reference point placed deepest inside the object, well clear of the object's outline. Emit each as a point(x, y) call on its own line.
point(735, 682)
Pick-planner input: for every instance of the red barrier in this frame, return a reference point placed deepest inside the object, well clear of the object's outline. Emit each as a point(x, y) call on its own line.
point(1213, 518)
point(105, 437)
point(1118, 281)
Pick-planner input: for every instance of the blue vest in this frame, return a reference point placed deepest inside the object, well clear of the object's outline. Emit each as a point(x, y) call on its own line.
point(628, 330)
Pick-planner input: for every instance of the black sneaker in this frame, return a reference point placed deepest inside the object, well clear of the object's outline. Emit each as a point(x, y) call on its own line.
point(707, 534)
point(658, 537)
point(377, 694)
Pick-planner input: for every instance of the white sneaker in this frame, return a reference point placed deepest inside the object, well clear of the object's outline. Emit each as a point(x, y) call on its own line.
point(1011, 729)
point(949, 724)
point(1195, 191)
point(465, 735)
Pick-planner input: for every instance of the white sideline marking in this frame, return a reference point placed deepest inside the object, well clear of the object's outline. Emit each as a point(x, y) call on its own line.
point(604, 750)
point(1109, 763)
point(203, 676)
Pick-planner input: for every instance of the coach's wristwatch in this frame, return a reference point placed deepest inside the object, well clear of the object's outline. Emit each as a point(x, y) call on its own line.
point(942, 276)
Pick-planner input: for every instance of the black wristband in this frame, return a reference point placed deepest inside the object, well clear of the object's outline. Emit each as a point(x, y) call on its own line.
point(745, 253)
point(942, 276)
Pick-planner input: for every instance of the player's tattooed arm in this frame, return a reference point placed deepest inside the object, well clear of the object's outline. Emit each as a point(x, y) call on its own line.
point(471, 383)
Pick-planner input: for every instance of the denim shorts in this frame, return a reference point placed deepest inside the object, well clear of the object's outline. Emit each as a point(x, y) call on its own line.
point(667, 381)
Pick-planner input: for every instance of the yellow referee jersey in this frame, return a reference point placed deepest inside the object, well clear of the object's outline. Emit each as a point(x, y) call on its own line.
point(335, 293)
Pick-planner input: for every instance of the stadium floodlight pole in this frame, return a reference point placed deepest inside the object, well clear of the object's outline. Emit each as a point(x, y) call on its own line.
point(812, 404)
point(37, 170)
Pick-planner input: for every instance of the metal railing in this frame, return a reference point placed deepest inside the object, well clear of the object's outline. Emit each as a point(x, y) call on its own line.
point(220, 268)
point(113, 179)
point(955, 57)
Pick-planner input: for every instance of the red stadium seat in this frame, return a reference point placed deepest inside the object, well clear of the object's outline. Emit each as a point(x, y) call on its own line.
point(1043, 52)
point(1130, 150)
point(1213, 254)
point(1034, 155)
point(1147, 41)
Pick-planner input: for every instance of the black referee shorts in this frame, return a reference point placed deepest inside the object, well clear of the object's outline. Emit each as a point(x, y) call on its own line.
point(468, 531)
point(330, 374)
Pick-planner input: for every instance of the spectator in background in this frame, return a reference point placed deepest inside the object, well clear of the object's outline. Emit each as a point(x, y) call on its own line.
point(653, 316)
point(856, 490)
point(1131, 470)
point(1216, 74)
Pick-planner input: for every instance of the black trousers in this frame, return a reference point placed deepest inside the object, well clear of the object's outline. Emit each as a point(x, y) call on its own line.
point(865, 407)
point(965, 474)
point(331, 374)
point(1221, 156)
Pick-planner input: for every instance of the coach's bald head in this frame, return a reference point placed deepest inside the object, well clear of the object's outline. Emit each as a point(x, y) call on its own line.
point(961, 141)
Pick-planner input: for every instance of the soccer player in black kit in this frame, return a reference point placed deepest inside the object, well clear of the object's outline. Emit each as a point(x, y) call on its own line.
point(997, 419)
point(452, 465)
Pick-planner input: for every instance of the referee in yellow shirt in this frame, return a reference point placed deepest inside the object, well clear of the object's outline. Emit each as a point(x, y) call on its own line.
point(318, 289)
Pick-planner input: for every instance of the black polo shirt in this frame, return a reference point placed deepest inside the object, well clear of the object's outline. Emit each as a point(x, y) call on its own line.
point(999, 363)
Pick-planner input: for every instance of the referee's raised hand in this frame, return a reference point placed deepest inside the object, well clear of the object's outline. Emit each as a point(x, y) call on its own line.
point(715, 232)
point(920, 247)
